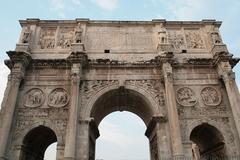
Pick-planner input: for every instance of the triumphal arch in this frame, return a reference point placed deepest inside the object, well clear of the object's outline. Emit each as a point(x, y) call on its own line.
point(67, 75)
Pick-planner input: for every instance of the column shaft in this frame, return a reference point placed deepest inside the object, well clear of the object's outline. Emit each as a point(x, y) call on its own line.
point(174, 124)
point(71, 134)
point(8, 113)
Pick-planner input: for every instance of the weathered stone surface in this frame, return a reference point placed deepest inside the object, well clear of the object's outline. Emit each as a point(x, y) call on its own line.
point(66, 76)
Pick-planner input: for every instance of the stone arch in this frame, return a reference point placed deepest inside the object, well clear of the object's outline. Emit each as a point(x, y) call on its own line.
point(150, 104)
point(208, 142)
point(215, 124)
point(36, 141)
point(24, 132)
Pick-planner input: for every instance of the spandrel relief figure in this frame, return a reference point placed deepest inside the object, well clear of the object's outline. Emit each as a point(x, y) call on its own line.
point(210, 96)
point(78, 34)
point(26, 35)
point(58, 98)
point(186, 97)
point(34, 98)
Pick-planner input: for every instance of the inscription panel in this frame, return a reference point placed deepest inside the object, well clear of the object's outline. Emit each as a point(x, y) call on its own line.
point(122, 38)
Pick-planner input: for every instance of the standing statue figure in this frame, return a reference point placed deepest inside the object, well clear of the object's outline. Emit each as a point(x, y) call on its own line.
point(78, 34)
point(215, 36)
point(26, 35)
point(162, 35)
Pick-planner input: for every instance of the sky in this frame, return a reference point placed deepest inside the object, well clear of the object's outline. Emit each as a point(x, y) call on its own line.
point(11, 11)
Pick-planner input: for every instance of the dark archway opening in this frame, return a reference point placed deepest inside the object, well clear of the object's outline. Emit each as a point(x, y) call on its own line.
point(36, 142)
point(208, 142)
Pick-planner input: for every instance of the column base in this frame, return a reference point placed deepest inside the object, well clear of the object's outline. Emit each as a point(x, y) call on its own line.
point(69, 158)
point(179, 157)
point(3, 158)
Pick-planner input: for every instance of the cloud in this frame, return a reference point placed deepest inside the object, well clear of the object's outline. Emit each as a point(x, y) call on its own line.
point(108, 5)
point(113, 134)
point(61, 7)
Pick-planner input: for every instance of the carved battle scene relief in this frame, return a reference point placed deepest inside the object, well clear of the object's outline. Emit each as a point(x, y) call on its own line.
point(210, 96)
point(194, 39)
point(47, 38)
point(65, 37)
point(186, 97)
point(58, 98)
point(34, 98)
point(176, 37)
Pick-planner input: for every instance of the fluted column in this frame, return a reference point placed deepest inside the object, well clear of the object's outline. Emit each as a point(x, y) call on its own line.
point(228, 77)
point(18, 61)
point(77, 59)
point(174, 125)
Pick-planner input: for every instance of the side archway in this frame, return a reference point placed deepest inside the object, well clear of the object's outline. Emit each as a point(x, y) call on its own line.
point(36, 142)
point(208, 142)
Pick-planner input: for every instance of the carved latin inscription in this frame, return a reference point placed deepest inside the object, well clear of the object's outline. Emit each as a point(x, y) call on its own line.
point(210, 96)
point(34, 98)
point(58, 98)
point(186, 97)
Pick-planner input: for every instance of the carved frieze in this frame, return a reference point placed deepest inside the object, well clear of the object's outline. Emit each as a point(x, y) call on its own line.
point(177, 39)
point(65, 37)
point(92, 87)
point(186, 96)
point(194, 40)
point(47, 38)
point(151, 86)
point(34, 98)
point(210, 96)
point(58, 98)
point(26, 118)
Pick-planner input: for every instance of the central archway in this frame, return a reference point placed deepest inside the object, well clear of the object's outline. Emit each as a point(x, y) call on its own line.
point(122, 99)
point(122, 137)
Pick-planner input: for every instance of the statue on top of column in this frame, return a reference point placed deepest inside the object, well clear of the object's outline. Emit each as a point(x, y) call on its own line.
point(162, 35)
point(78, 34)
point(26, 35)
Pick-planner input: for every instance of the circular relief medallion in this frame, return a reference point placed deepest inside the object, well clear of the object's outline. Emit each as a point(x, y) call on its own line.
point(210, 96)
point(186, 97)
point(34, 98)
point(58, 98)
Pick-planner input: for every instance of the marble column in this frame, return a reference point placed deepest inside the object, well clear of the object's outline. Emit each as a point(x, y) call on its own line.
point(70, 144)
point(228, 77)
point(174, 124)
point(18, 61)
